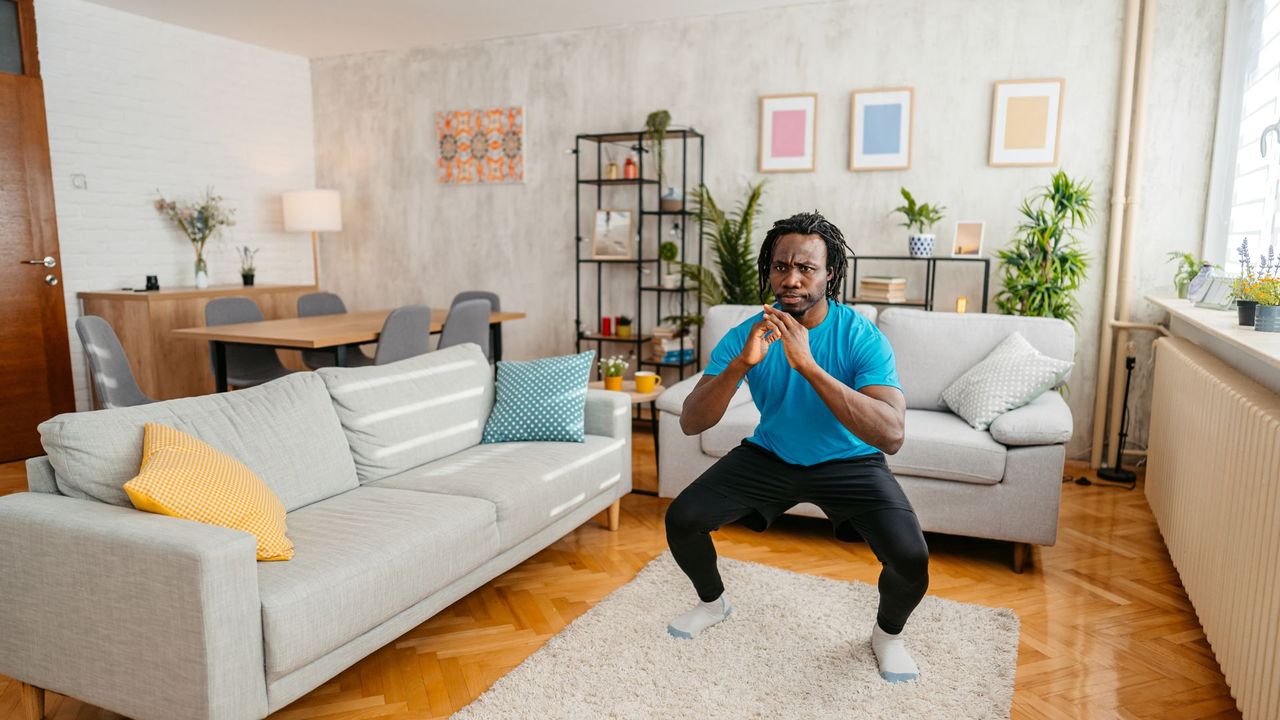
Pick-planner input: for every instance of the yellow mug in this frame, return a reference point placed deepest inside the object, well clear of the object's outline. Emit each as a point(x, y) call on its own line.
point(646, 381)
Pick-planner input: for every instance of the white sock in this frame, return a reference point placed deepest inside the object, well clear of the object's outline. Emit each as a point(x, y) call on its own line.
point(895, 662)
point(702, 616)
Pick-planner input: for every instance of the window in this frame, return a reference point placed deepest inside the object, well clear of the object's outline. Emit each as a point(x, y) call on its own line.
point(1244, 200)
point(10, 38)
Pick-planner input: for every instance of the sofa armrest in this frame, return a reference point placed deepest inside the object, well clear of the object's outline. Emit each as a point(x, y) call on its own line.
point(145, 615)
point(608, 413)
point(1043, 421)
point(672, 400)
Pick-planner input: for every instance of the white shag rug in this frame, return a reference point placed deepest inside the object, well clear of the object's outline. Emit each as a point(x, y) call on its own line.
point(796, 646)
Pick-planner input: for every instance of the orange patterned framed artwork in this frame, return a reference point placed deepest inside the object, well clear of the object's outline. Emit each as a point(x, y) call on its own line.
point(480, 147)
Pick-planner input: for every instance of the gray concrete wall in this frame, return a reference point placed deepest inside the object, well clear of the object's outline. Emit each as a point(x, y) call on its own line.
point(409, 239)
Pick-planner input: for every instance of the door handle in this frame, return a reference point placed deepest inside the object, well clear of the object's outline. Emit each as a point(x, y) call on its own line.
point(47, 261)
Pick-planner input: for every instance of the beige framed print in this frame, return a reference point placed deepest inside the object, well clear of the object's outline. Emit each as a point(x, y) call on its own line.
point(880, 129)
point(967, 241)
point(1026, 122)
point(787, 132)
point(611, 236)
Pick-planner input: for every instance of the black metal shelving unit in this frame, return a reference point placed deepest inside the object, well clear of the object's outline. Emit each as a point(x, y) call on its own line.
point(692, 148)
point(930, 277)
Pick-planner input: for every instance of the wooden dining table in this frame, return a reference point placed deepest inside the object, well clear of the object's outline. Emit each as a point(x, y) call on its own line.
point(334, 332)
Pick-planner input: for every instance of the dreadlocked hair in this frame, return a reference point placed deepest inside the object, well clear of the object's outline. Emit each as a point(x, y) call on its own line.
point(807, 224)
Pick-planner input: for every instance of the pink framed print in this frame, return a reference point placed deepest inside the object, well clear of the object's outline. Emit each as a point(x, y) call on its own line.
point(788, 125)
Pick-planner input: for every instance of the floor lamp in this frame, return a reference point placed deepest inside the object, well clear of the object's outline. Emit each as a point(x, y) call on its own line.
point(313, 211)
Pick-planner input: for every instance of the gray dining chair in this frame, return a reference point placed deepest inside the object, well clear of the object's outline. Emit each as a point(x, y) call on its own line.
point(494, 350)
point(113, 381)
point(247, 365)
point(468, 322)
point(327, 303)
point(405, 334)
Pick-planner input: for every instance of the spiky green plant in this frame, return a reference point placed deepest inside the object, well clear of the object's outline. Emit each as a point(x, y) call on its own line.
point(734, 278)
point(1044, 265)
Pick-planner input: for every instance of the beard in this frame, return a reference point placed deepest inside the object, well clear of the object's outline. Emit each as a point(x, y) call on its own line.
point(798, 308)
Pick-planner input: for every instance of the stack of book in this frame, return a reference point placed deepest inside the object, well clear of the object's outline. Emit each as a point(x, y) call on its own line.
point(665, 346)
point(879, 288)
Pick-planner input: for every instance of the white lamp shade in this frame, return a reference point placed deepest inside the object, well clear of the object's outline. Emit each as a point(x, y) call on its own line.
point(312, 211)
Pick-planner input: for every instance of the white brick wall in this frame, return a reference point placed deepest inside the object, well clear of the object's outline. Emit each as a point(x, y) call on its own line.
point(137, 105)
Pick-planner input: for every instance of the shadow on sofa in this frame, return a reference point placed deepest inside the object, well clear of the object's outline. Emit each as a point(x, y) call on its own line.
point(1001, 484)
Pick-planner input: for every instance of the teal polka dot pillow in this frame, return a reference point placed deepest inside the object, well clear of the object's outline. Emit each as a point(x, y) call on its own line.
point(540, 400)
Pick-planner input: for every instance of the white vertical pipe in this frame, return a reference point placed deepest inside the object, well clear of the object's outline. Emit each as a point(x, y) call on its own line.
point(1132, 205)
point(1120, 167)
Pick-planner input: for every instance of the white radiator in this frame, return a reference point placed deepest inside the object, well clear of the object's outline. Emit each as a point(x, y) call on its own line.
point(1213, 483)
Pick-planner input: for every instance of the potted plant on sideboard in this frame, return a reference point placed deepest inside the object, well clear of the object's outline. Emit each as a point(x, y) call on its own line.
point(246, 265)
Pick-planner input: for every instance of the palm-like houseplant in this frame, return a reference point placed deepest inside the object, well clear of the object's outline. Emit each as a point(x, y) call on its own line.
point(1044, 265)
point(735, 277)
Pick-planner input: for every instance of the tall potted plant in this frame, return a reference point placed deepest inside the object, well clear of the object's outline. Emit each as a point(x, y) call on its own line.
point(919, 219)
point(199, 220)
point(1044, 266)
point(735, 277)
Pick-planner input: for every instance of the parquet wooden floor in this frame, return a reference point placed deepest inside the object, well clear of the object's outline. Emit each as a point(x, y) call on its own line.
point(1107, 631)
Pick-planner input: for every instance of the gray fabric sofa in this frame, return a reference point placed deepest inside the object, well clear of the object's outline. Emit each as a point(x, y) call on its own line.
point(1003, 484)
point(394, 508)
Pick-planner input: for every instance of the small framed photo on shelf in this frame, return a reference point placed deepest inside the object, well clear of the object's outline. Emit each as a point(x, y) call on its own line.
point(880, 129)
point(968, 239)
point(611, 236)
point(787, 132)
point(1026, 122)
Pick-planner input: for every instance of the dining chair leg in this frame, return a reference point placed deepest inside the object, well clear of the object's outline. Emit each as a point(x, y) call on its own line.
point(340, 355)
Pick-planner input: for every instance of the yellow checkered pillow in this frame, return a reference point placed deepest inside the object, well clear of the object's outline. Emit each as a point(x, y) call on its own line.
point(186, 478)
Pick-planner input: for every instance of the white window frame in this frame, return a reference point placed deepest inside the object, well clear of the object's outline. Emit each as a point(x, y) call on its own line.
point(1242, 15)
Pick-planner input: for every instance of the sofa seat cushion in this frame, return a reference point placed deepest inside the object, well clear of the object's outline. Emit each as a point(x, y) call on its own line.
point(360, 558)
point(531, 483)
point(738, 423)
point(943, 446)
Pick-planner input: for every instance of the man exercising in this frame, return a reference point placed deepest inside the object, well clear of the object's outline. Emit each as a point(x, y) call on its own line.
point(826, 384)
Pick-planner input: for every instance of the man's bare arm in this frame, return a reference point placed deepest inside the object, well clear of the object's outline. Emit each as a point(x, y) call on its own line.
point(704, 407)
point(876, 413)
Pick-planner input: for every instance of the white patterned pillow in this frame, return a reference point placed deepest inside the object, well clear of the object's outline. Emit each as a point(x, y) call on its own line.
point(1012, 375)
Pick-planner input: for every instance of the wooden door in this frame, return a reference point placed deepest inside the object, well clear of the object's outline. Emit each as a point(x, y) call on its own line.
point(35, 363)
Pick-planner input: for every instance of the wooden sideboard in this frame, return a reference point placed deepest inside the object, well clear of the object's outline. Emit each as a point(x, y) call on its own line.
point(165, 365)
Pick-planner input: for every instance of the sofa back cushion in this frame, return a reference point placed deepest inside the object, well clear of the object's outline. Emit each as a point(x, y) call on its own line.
point(285, 431)
point(405, 414)
point(933, 349)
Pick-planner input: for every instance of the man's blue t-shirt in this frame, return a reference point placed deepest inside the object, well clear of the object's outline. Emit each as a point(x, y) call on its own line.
point(795, 424)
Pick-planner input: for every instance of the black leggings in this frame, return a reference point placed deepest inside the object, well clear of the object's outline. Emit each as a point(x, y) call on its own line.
point(876, 509)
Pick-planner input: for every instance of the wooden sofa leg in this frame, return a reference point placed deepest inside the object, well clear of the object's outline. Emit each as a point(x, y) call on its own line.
point(32, 701)
point(615, 511)
point(1021, 556)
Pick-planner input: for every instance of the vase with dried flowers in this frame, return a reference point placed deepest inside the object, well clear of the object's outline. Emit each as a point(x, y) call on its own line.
point(199, 220)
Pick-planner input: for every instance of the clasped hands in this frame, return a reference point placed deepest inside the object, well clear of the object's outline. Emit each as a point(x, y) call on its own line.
point(777, 325)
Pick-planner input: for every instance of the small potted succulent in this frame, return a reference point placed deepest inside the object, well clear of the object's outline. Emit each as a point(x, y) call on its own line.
point(919, 219)
point(246, 264)
point(624, 326)
point(612, 368)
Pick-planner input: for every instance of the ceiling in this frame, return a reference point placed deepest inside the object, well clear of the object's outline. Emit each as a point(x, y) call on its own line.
point(323, 28)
